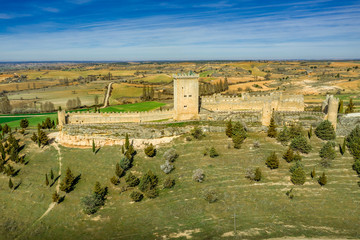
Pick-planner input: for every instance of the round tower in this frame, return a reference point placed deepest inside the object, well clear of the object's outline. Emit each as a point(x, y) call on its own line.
point(333, 110)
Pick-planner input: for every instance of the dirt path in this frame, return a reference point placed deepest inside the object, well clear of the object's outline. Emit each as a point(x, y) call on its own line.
point(52, 205)
point(106, 101)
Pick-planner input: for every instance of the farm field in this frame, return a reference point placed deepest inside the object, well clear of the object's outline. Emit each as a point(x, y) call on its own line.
point(262, 210)
point(135, 107)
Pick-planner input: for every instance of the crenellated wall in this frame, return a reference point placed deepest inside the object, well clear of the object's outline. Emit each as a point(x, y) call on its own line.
point(91, 118)
point(306, 119)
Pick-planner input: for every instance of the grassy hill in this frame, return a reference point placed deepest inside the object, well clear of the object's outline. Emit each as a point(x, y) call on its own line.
point(262, 210)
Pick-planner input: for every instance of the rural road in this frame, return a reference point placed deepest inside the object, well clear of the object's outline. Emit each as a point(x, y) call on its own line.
point(106, 101)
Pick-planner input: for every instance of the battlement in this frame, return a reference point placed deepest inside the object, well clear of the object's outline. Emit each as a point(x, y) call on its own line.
point(189, 75)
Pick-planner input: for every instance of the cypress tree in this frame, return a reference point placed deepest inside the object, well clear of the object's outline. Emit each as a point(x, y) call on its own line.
point(343, 148)
point(11, 185)
point(272, 128)
point(118, 170)
point(310, 132)
point(67, 183)
point(228, 130)
point(350, 107)
point(313, 174)
point(341, 106)
point(46, 180)
point(122, 149)
point(51, 174)
point(2, 151)
point(238, 135)
point(257, 175)
point(127, 142)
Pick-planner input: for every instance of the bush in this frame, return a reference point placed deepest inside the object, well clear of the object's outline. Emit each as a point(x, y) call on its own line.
point(115, 180)
point(298, 176)
point(283, 136)
point(198, 175)
point(322, 179)
point(272, 161)
point(210, 195)
point(197, 133)
point(55, 197)
point(131, 180)
point(325, 131)
point(295, 130)
point(297, 157)
point(313, 174)
point(167, 167)
point(91, 204)
point(170, 155)
point(300, 144)
point(253, 174)
point(136, 196)
point(353, 142)
point(289, 155)
point(295, 166)
point(148, 181)
point(239, 135)
point(152, 193)
point(213, 153)
point(150, 151)
point(168, 182)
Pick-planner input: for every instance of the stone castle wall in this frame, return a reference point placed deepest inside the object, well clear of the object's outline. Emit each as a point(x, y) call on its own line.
point(103, 118)
point(307, 119)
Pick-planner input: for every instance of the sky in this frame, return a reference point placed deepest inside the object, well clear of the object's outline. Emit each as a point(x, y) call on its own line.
point(138, 30)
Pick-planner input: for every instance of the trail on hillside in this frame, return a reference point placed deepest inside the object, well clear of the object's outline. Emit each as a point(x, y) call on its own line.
point(106, 100)
point(52, 205)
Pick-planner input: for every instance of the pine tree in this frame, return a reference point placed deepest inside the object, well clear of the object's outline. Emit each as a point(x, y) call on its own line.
point(284, 136)
point(56, 197)
point(272, 128)
point(238, 135)
point(118, 170)
point(11, 185)
point(127, 142)
point(24, 123)
point(341, 107)
point(325, 131)
point(228, 130)
point(322, 179)
point(213, 153)
point(272, 161)
point(67, 184)
point(289, 155)
point(34, 137)
point(46, 180)
point(298, 176)
point(93, 146)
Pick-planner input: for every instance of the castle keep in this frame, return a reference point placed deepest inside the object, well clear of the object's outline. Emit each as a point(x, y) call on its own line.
point(189, 106)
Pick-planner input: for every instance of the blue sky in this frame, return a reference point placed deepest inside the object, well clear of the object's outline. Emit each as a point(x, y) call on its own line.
point(38, 30)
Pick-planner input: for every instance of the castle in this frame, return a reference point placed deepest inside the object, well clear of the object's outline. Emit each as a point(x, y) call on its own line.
point(188, 105)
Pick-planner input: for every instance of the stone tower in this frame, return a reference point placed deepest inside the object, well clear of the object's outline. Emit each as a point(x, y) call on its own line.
point(186, 96)
point(61, 118)
point(330, 108)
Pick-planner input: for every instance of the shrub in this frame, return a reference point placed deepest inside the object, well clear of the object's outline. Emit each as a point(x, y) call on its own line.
point(327, 153)
point(289, 194)
point(213, 153)
point(198, 175)
point(169, 182)
point(239, 135)
point(256, 144)
point(310, 132)
point(197, 133)
point(188, 139)
point(55, 197)
point(115, 180)
point(136, 196)
point(170, 155)
point(289, 155)
point(150, 151)
point(325, 131)
point(322, 179)
point(284, 136)
point(295, 166)
point(148, 181)
point(297, 157)
point(313, 174)
point(131, 180)
point(272, 128)
point(167, 167)
point(152, 193)
point(353, 142)
point(210, 195)
point(298, 176)
point(24, 123)
point(295, 130)
point(258, 175)
point(272, 161)
point(11, 185)
point(253, 174)
point(300, 144)
point(91, 204)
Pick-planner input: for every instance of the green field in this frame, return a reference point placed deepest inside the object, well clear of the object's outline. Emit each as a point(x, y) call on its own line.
point(262, 210)
point(155, 78)
point(134, 107)
point(14, 121)
point(120, 90)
